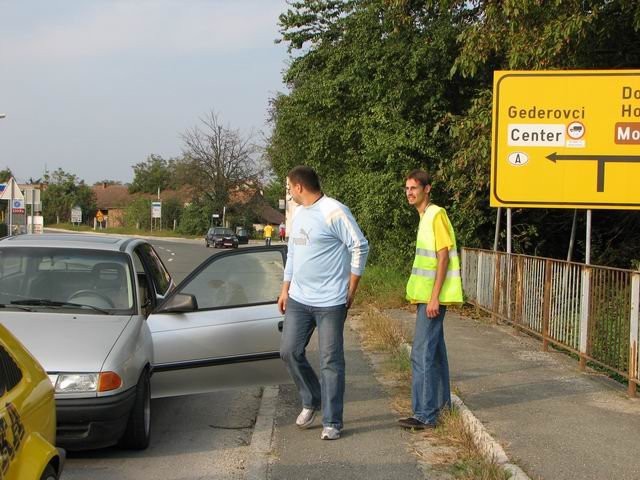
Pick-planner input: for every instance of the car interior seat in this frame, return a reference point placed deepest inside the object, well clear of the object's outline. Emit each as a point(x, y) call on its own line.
point(109, 278)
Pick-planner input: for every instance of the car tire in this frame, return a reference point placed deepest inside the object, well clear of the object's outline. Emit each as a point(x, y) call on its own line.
point(49, 473)
point(138, 432)
point(206, 244)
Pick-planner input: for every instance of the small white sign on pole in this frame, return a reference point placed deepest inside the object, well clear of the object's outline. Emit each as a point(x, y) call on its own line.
point(156, 209)
point(76, 215)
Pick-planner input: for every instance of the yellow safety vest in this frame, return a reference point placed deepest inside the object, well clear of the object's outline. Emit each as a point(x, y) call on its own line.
point(423, 273)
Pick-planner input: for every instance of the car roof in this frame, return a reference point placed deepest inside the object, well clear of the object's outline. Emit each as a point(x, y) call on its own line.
point(73, 240)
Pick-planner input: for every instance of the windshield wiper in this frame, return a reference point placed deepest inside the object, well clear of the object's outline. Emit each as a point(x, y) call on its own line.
point(26, 309)
point(43, 302)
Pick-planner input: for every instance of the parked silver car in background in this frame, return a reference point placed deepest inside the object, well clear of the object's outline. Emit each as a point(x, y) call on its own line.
point(104, 318)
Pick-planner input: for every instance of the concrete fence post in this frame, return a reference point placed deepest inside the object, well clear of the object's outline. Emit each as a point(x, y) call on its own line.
point(633, 334)
point(546, 305)
point(479, 281)
point(495, 309)
point(585, 298)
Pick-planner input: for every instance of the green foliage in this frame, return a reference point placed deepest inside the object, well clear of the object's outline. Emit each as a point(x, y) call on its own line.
point(195, 220)
point(383, 286)
point(366, 105)
point(137, 214)
point(5, 175)
point(379, 87)
point(64, 191)
point(152, 174)
point(171, 210)
point(273, 192)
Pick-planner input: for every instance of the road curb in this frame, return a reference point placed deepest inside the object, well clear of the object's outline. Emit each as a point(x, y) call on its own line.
point(257, 466)
point(485, 442)
point(481, 437)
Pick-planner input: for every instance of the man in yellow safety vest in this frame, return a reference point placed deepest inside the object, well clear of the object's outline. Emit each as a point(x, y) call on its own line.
point(434, 283)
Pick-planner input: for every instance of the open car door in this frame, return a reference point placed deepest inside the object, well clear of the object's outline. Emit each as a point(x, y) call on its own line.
point(221, 327)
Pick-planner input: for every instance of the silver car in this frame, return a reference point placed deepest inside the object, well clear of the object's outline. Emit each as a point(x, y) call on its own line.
point(104, 318)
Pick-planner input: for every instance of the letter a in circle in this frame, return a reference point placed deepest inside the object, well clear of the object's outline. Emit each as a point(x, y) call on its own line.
point(517, 159)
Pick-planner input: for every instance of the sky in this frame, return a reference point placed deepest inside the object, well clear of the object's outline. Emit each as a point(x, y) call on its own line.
point(96, 86)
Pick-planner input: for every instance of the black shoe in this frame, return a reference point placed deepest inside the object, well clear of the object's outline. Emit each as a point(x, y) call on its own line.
point(414, 423)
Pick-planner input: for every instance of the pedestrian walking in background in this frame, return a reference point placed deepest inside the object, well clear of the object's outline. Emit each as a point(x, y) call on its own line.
point(282, 230)
point(327, 253)
point(435, 282)
point(268, 231)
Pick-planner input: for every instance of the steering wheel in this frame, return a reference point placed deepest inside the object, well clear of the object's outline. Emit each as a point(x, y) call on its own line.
point(91, 293)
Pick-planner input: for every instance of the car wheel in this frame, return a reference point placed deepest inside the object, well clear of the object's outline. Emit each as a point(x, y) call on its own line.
point(206, 244)
point(138, 432)
point(49, 474)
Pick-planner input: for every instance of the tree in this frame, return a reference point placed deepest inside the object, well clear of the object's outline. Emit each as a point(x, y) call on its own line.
point(108, 182)
point(171, 210)
point(220, 159)
point(64, 191)
point(274, 191)
point(195, 219)
point(152, 174)
point(138, 213)
point(378, 87)
point(370, 94)
point(5, 175)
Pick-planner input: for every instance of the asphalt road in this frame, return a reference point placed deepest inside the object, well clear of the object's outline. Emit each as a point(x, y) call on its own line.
point(193, 437)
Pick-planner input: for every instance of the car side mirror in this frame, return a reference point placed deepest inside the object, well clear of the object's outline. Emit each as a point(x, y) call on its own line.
point(180, 302)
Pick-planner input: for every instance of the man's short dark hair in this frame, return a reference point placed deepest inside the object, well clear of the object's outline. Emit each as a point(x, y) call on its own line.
point(419, 176)
point(305, 176)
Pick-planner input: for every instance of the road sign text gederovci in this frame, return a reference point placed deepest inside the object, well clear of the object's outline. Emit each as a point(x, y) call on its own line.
point(566, 139)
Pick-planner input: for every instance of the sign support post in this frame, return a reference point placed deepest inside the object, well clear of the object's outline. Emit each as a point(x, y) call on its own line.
point(587, 254)
point(497, 235)
point(11, 182)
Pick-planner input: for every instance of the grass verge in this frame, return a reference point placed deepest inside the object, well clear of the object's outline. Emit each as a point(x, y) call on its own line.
point(122, 231)
point(382, 286)
point(450, 450)
point(470, 464)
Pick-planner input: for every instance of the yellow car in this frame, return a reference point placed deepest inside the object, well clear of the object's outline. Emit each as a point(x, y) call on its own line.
point(27, 416)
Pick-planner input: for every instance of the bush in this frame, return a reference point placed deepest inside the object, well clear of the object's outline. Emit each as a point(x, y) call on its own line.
point(194, 220)
point(138, 214)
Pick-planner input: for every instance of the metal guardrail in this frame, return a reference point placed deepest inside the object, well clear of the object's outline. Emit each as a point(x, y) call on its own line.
point(590, 311)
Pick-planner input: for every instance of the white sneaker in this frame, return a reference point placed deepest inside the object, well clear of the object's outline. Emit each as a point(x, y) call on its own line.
point(330, 433)
point(306, 417)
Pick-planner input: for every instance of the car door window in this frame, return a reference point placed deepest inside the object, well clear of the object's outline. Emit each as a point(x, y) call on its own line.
point(238, 279)
point(160, 276)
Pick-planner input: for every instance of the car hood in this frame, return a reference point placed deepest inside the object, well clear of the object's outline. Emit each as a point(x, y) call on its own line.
point(64, 342)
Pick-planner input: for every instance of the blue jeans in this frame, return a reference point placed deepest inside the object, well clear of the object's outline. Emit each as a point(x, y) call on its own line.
point(299, 323)
point(430, 391)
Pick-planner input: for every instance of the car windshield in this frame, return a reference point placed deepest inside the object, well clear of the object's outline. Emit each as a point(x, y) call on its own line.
point(62, 278)
point(223, 231)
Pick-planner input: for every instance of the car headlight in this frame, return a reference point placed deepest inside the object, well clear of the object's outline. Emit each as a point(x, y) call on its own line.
point(87, 382)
